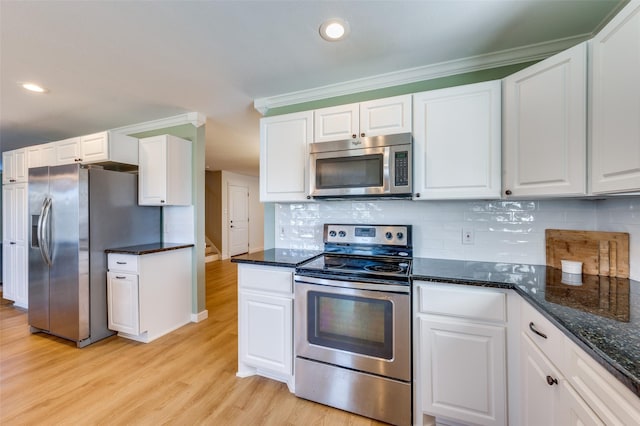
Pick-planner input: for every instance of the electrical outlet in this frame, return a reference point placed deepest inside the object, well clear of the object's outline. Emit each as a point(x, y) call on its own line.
point(467, 236)
point(282, 231)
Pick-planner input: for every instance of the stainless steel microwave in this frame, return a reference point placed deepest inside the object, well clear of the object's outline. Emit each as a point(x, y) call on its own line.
point(379, 166)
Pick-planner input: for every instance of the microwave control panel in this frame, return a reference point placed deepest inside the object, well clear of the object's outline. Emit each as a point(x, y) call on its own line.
point(401, 163)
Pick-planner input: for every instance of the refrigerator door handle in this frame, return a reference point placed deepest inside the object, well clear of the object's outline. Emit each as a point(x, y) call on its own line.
point(44, 224)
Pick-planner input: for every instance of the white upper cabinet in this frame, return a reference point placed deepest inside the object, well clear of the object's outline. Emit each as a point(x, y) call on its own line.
point(544, 148)
point(41, 155)
point(15, 166)
point(336, 123)
point(457, 138)
point(283, 157)
point(615, 104)
point(164, 175)
point(372, 118)
point(97, 148)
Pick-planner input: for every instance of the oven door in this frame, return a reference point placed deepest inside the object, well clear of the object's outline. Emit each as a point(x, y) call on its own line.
point(359, 329)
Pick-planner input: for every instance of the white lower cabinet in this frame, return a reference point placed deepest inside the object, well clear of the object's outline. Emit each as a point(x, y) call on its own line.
point(562, 385)
point(149, 295)
point(265, 322)
point(124, 312)
point(460, 354)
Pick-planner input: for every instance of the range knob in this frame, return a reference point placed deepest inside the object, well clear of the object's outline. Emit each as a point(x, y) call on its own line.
point(342, 234)
point(332, 233)
point(388, 235)
point(400, 235)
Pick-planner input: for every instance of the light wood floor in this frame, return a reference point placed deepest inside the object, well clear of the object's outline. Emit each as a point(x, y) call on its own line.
point(184, 378)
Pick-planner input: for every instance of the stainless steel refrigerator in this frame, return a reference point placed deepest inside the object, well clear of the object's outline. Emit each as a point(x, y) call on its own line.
point(75, 214)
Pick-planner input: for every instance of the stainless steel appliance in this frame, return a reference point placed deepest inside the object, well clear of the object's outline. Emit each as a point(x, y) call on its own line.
point(75, 214)
point(378, 166)
point(353, 322)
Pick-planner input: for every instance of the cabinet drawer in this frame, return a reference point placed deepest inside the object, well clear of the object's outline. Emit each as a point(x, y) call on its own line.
point(608, 398)
point(543, 333)
point(279, 280)
point(463, 302)
point(122, 263)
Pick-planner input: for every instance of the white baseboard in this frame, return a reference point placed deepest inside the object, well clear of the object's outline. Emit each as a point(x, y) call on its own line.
point(200, 316)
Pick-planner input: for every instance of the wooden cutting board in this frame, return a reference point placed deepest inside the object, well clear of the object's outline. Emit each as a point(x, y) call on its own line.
point(602, 253)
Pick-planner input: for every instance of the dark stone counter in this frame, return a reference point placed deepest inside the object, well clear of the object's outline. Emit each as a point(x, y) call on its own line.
point(602, 315)
point(148, 248)
point(288, 258)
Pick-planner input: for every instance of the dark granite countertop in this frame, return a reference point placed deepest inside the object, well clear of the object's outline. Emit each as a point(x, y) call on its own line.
point(611, 336)
point(602, 316)
point(148, 248)
point(288, 258)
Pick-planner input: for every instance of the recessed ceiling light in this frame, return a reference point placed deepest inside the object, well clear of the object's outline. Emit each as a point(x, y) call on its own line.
point(334, 29)
point(34, 88)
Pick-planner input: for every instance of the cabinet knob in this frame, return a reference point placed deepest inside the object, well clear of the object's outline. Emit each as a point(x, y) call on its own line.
point(162, 201)
point(362, 135)
point(308, 197)
point(508, 192)
point(13, 243)
point(12, 180)
point(417, 195)
point(354, 136)
point(552, 381)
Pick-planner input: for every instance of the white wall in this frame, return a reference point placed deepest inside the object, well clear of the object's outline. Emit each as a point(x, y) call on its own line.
point(504, 231)
point(256, 212)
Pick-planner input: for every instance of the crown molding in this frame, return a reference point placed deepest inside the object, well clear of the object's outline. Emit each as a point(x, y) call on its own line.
point(196, 119)
point(428, 72)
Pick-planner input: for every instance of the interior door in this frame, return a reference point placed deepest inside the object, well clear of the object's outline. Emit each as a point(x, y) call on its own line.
point(238, 200)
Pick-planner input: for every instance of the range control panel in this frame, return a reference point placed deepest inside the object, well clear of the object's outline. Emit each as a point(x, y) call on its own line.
point(393, 235)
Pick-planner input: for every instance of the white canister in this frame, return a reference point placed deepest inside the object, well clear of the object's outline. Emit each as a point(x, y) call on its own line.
point(571, 266)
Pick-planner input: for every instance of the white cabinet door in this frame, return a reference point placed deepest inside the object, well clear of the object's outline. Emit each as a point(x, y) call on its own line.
point(15, 166)
point(164, 173)
point(573, 410)
point(336, 123)
point(41, 155)
point(68, 151)
point(266, 331)
point(540, 387)
point(385, 116)
point(94, 147)
point(123, 302)
point(284, 157)
point(615, 104)
point(545, 139)
point(371, 118)
point(14, 245)
point(457, 142)
point(463, 370)
point(153, 164)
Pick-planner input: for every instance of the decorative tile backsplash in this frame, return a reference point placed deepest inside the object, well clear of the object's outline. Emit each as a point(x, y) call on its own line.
point(503, 231)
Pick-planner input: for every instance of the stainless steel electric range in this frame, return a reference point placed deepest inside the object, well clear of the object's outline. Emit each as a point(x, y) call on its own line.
point(353, 322)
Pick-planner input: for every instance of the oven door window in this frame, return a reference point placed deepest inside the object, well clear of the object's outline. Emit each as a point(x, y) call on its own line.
point(360, 171)
point(351, 323)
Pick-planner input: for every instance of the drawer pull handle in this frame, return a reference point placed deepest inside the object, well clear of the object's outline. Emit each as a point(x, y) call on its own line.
point(552, 381)
point(120, 277)
point(533, 328)
point(121, 263)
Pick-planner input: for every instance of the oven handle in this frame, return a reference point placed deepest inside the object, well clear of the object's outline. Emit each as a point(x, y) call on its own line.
point(391, 288)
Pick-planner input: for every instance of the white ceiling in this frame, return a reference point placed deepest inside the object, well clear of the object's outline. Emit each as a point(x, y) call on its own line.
point(109, 64)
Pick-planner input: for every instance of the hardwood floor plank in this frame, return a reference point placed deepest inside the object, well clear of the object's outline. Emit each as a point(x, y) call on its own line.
point(184, 378)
